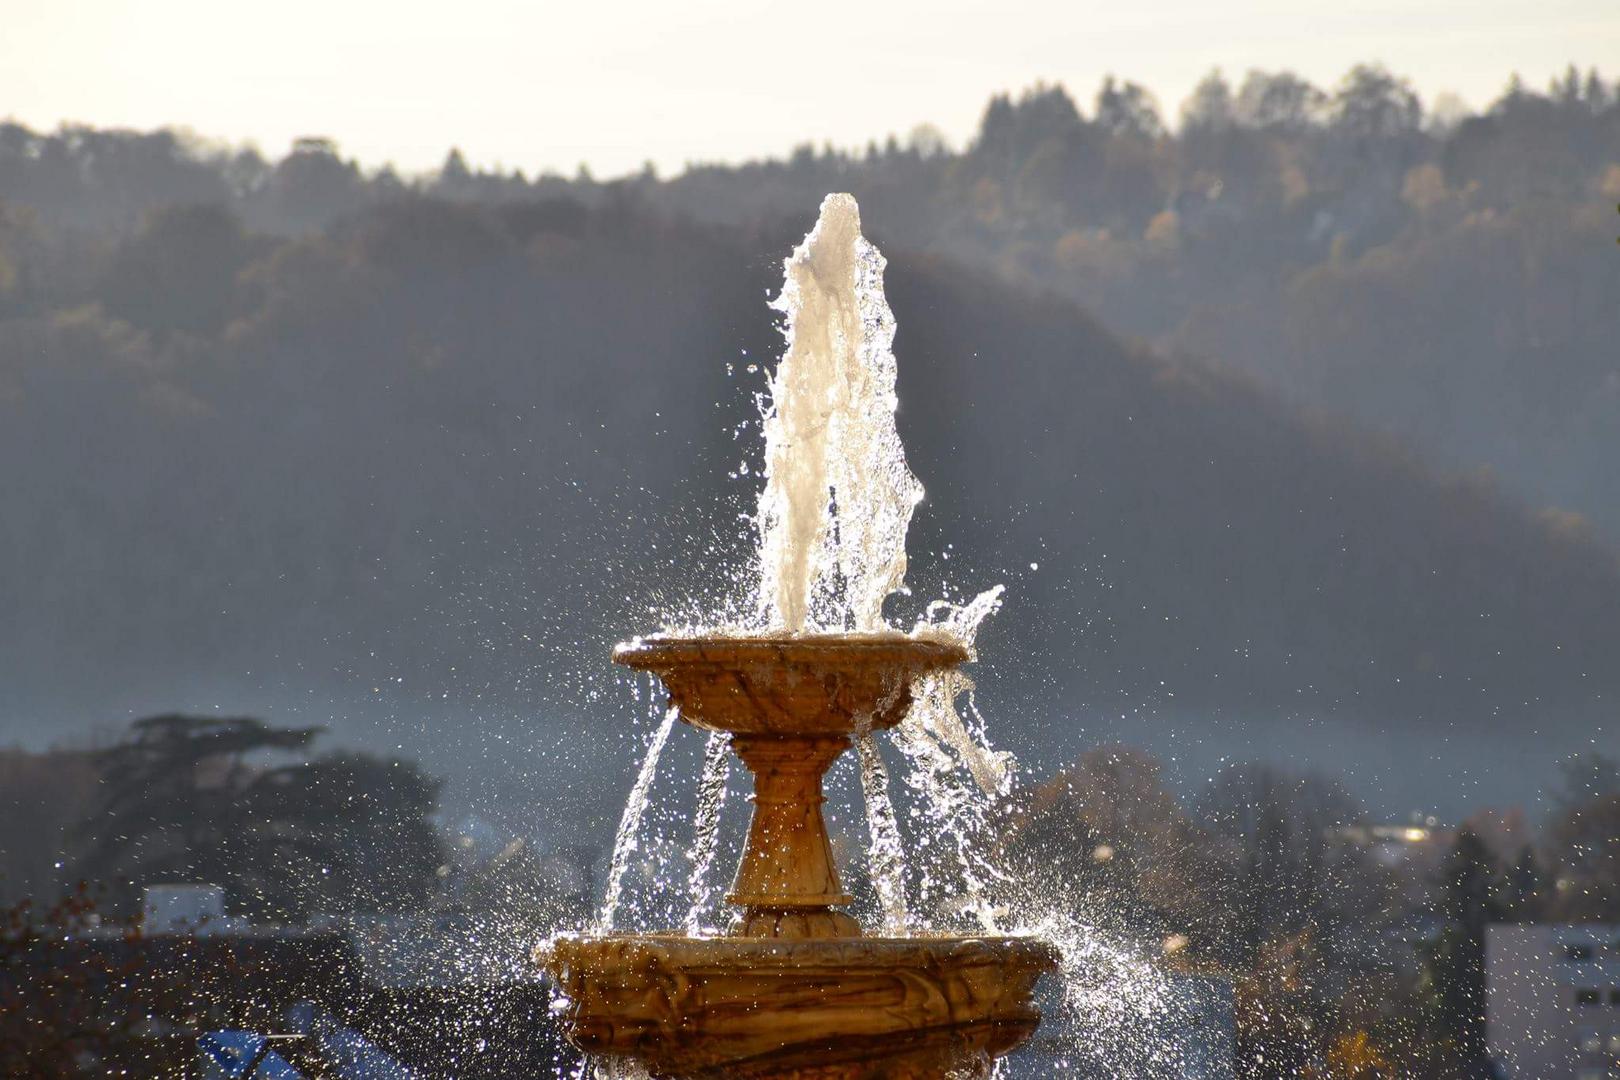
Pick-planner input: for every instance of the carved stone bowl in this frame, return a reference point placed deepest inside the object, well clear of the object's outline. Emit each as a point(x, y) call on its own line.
point(814, 684)
point(805, 1009)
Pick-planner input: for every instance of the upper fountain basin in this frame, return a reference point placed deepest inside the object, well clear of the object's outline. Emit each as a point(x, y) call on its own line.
point(795, 685)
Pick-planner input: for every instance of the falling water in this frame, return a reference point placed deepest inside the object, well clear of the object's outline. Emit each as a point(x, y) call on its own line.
point(706, 828)
point(624, 842)
point(887, 857)
point(934, 711)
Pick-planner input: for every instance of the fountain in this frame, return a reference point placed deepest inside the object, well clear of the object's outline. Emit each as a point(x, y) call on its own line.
point(796, 988)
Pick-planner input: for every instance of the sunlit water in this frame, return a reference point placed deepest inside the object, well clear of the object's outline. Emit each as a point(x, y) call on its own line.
point(625, 841)
point(829, 563)
point(832, 518)
point(706, 826)
point(886, 857)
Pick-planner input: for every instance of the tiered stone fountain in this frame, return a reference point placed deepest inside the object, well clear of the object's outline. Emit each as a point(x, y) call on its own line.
point(795, 989)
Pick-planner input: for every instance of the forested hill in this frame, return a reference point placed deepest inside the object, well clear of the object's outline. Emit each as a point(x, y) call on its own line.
point(1443, 276)
point(437, 455)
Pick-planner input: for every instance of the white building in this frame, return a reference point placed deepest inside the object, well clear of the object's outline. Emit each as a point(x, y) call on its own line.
point(185, 908)
point(1552, 1000)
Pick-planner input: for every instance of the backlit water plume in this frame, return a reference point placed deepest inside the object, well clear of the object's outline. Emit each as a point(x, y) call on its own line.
point(838, 495)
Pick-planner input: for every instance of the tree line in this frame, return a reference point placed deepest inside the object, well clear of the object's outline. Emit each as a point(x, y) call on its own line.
point(442, 453)
point(1425, 270)
point(1352, 957)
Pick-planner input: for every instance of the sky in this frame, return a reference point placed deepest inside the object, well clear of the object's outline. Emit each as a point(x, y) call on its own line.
point(543, 86)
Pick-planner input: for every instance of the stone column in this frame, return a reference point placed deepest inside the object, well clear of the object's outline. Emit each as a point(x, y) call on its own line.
point(787, 884)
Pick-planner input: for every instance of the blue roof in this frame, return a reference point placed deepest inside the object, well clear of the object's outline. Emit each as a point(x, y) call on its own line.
point(230, 1054)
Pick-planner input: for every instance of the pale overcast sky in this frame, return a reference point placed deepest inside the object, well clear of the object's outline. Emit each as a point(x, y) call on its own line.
point(540, 85)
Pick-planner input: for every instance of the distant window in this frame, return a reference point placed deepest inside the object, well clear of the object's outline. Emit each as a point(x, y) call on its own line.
point(1614, 1044)
point(1588, 997)
point(1614, 997)
point(1591, 1042)
point(1577, 952)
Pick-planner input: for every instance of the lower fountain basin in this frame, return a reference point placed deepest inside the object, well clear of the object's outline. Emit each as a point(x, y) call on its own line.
point(799, 1009)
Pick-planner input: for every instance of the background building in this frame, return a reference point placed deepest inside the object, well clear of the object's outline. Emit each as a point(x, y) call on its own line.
point(1552, 996)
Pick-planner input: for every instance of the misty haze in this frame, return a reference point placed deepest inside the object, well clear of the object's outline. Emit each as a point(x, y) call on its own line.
point(1287, 415)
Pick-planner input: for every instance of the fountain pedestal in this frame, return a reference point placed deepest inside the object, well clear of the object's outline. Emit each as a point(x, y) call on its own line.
point(795, 991)
point(787, 884)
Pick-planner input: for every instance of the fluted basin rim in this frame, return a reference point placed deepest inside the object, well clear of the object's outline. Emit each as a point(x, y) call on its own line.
point(918, 941)
point(667, 650)
point(678, 950)
point(791, 686)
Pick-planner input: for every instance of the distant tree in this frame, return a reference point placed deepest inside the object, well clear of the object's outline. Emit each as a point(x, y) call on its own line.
point(1352, 1057)
point(1524, 888)
point(1083, 812)
point(378, 849)
point(22, 248)
point(1127, 109)
point(192, 798)
point(1211, 106)
point(1109, 833)
point(246, 172)
point(41, 796)
point(1455, 964)
point(1278, 1017)
point(1513, 98)
point(309, 188)
point(1292, 874)
point(1582, 778)
point(1371, 104)
point(1584, 849)
point(1279, 101)
point(178, 272)
point(1566, 89)
point(1595, 95)
point(86, 176)
point(170, 801)
point(454, 171)
point(1010, 132)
